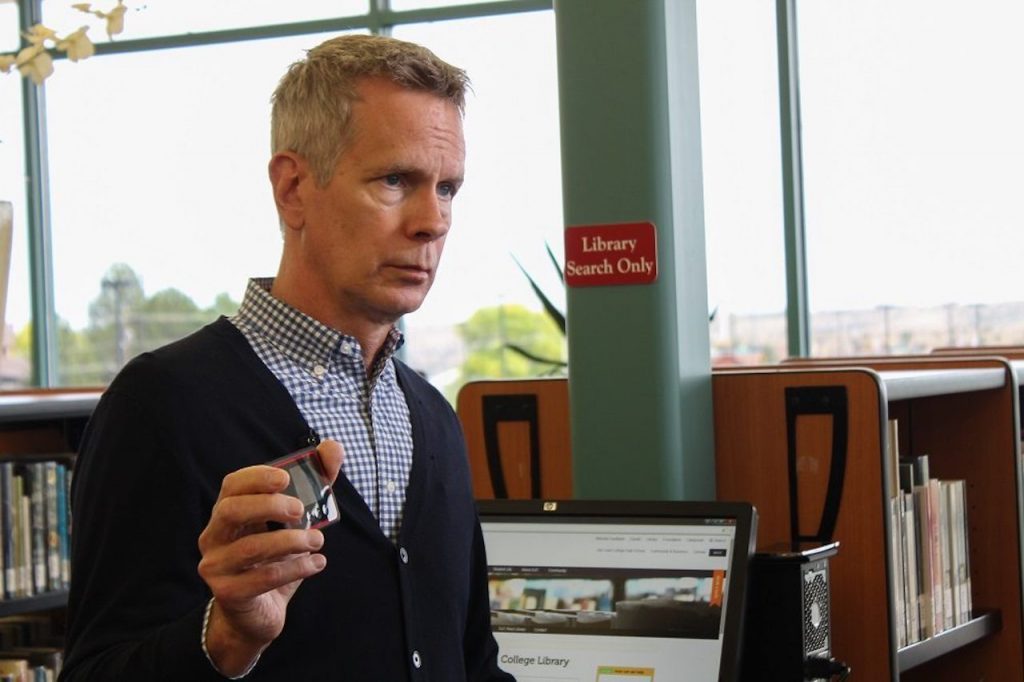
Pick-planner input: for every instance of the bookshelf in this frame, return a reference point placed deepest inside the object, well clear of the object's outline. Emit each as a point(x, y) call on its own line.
point(1015, 354)
point(35, 424)
point(964, 413)
point(517, 437)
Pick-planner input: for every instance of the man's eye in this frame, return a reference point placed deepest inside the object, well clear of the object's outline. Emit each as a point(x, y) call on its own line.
point(446, 189)
point(393, 180)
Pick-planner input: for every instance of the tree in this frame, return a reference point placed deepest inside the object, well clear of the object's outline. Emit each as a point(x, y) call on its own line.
point(123, 322)
point(108, 332)
point(487, 335)
point(166, 316)
point(223, 305)
point(80, 361)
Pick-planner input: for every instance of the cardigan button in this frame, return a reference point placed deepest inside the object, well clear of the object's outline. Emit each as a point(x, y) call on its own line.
point(403, 555)
point(416, 660)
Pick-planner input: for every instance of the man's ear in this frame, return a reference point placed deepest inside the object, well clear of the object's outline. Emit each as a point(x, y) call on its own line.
point(288, 173)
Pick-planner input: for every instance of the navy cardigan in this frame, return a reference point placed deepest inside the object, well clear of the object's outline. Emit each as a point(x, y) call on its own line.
point(163, 436)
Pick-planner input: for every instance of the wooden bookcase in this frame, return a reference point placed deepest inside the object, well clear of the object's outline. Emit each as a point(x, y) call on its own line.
point(964, 413)
point(42, 422)
point(517, 437)
point(1015, 354)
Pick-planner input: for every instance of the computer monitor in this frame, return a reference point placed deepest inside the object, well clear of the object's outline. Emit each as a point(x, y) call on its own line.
point(618, 591)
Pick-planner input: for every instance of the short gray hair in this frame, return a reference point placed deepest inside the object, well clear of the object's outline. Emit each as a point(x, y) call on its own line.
point(312, 104)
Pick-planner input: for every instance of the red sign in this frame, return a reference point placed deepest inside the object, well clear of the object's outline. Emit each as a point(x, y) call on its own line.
point(601, 255)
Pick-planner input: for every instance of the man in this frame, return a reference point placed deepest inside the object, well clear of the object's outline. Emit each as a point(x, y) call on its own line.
point(368, 155)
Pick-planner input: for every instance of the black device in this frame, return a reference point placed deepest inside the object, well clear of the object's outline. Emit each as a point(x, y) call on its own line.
point(613, 590)
point(309, 483)
point(788, 623)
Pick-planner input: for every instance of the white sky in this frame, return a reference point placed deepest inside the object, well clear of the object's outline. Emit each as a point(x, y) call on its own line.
point(913, 142)
point(913, 152)
point(158, 160)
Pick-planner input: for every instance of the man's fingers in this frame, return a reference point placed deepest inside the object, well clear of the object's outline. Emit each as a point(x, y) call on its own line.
point(331, 454)
point(265, 578)
point(232, 515)
point(260, 478)
point(256, 563)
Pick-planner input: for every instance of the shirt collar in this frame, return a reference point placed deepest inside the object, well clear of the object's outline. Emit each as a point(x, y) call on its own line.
point(304, 339)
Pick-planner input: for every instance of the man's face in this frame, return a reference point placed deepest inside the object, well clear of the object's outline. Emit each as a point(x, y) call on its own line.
point(373, 235)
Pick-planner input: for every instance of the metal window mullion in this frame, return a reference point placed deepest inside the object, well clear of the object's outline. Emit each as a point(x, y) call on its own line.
point(40, 243)
point(797, 312)
point(380, 17)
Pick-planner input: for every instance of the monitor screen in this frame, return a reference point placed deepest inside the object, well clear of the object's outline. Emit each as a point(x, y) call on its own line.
point(617, 591)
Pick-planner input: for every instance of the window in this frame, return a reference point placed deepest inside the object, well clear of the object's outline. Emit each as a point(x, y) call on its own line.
point(739, 99)
point(150, 18)
point(509, 209)
point(15, 354)
point(401, 5)
point(913, 160)
point(161, 204)
point(161, 209)
point(8, 26)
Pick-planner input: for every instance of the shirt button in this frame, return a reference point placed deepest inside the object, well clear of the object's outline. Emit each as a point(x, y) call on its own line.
point(319, 371)
point(403, 555)
point(391, 486)
point(346, 347)
point(416, 660)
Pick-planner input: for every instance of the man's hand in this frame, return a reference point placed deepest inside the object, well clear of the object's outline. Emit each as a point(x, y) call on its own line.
point(252, 573)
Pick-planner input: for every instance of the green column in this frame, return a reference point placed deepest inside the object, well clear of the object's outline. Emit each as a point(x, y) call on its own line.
point(639, 367)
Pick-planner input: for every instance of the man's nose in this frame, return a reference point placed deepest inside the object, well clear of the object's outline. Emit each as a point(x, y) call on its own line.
point(429, 215)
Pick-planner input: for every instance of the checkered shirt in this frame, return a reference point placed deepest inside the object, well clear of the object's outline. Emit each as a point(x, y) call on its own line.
point(323, 371)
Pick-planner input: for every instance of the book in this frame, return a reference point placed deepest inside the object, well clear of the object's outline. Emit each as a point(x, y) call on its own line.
point(911, 570)
point(33, 474)
point(945, 553)
point(18, 667)
point(927, 496)
point(935, 546)
point(963, 572)
point(45, 660)
point(899, 588)
point(7, 527)
point(68, 520)
point(896, 532)
point(922, 529)
point(63, 526)
point(52, 550)
point(892, 447)
point(955, 549)
point(22, 576)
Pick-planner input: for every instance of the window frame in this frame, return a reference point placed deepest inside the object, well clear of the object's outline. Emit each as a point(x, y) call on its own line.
point(379, 19)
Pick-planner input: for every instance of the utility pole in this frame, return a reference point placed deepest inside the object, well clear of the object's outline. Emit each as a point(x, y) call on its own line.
point(117, 285)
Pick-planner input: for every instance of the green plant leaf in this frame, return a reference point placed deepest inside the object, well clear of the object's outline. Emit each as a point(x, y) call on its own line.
point(554, 313)
point(554, 262)
point(519, 350)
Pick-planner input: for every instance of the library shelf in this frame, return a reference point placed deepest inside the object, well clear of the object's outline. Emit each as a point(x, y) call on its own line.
point(40, 602)
point(44, 421)
point(41, 424)
point(980, 626)
point(961, 411)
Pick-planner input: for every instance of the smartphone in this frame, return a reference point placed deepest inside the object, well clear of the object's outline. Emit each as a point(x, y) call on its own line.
point(309, 483)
